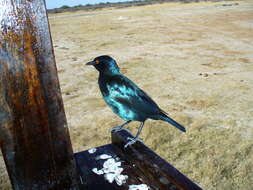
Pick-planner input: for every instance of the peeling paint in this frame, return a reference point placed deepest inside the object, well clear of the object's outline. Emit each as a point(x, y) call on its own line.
point(121, 179)
point(98, 172)
point(92, 150)
point(111, 169)
point(110, 177)
point(103, 157)
point(139, 187)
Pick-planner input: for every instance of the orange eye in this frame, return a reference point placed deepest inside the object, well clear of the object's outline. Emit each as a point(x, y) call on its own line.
point(97, 61)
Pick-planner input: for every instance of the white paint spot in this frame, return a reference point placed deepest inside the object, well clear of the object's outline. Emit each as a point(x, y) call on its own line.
point(139, 187)
point(110, 177)
point(116, 170)
point(111, 163)
point(98, 172)
point(111, 169)
point(103, 157)
point(121, 179)
point(92, 150)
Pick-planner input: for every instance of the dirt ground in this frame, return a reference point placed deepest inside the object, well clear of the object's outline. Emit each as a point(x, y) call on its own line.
point(196, 62)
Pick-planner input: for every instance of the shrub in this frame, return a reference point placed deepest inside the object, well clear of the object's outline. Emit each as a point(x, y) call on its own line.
point(65, 7)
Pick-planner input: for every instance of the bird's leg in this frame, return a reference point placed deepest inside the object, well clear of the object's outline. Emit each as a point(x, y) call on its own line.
point(116, 129)
point(133, 140)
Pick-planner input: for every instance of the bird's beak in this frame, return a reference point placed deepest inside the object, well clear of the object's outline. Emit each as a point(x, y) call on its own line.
point(91, 63)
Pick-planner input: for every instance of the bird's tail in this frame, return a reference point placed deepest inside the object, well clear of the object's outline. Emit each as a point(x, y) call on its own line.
point(166, 118)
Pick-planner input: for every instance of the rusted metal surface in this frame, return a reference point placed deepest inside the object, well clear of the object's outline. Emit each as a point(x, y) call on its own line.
point(139, 163)
point(34, 137)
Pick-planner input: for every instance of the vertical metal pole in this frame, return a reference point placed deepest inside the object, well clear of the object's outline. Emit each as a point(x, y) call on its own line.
point(34, 137)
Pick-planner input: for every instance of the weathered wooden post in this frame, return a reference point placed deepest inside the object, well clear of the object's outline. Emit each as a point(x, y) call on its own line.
point(34, 137)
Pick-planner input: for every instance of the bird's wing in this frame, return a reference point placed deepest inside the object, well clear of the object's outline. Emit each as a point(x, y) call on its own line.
point(124, 91)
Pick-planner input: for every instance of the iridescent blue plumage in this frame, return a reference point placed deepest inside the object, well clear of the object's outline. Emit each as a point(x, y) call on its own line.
point(125, 98)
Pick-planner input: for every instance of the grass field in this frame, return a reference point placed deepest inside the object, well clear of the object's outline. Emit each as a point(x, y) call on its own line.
point(195, 60)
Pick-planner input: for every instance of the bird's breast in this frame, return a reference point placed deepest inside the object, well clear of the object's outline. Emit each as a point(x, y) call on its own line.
point(120, 109)
point(122, 97)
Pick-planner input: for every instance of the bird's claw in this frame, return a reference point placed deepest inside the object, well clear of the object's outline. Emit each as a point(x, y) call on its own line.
point(131, 141)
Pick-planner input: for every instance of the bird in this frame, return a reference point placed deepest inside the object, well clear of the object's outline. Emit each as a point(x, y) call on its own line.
point(125, 98)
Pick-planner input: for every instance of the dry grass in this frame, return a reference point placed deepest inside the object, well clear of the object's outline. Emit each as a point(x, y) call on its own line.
point(195, 60)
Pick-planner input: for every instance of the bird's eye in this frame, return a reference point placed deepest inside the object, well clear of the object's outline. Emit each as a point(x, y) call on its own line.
point(97, 61)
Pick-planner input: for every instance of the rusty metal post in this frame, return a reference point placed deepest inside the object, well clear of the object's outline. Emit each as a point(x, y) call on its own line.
point(34, 137)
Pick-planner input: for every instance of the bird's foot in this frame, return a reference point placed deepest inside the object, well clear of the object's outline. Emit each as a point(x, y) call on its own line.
point(131, 141)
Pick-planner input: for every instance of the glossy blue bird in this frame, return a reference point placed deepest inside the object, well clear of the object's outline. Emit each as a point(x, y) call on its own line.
point(125, 98)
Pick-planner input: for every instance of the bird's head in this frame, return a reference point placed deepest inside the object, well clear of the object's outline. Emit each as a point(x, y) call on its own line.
point(105, 64)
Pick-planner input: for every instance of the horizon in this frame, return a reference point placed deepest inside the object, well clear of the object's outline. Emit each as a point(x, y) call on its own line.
point(71, 3)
